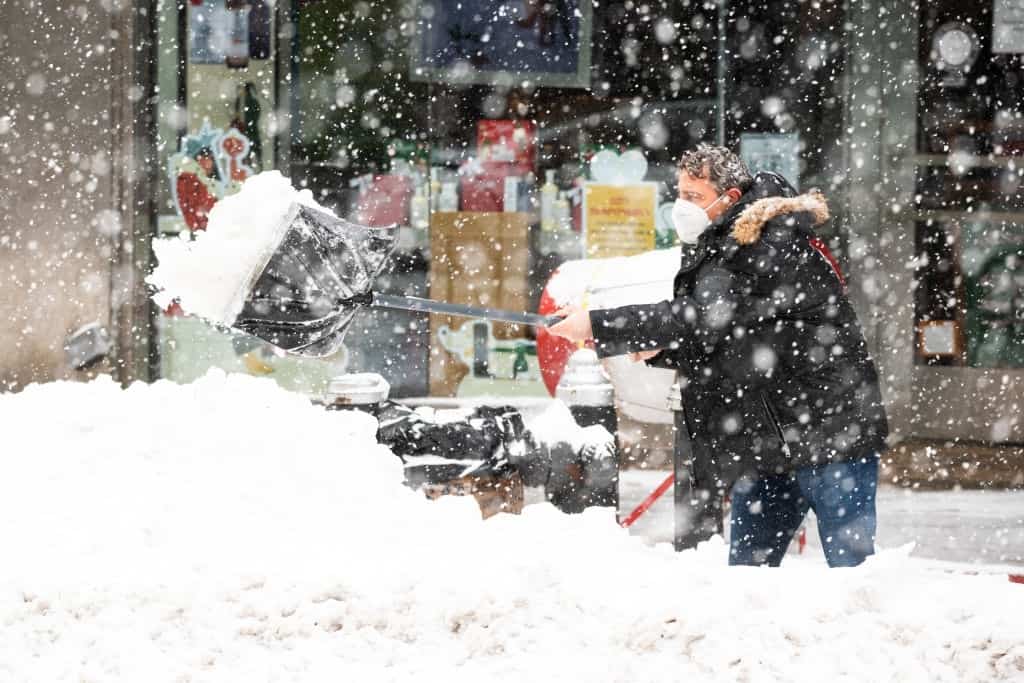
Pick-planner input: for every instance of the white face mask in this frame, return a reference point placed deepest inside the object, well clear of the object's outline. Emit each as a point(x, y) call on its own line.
point(690, 220)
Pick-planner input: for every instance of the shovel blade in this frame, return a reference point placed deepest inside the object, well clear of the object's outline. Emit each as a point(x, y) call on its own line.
point(314, 282)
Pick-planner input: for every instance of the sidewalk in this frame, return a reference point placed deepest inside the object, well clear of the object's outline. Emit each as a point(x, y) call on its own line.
point(977, 526)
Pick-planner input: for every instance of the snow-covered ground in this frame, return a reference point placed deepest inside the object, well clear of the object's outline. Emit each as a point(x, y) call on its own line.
point(975, 527)
point(227, 530)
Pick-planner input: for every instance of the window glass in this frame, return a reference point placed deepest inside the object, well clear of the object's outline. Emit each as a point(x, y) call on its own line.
point(219, 83)
point(785, 93)
point(969, 175)
point(503, 138)
point(473, 126)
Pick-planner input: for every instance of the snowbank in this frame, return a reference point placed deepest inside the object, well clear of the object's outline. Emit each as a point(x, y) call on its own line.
point(556, 424)
point(227, 530)
point(209, 274)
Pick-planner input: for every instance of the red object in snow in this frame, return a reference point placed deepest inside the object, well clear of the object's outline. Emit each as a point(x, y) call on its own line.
point(1016, 578)
point(648, 502)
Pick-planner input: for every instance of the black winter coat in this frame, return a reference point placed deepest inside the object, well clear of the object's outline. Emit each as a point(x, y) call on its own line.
point(774, 369)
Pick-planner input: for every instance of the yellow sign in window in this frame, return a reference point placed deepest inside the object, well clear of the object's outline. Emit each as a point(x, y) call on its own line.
point(619, 220)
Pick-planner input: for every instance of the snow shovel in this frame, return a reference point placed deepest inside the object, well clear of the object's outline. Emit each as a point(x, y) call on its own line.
point(304, 295)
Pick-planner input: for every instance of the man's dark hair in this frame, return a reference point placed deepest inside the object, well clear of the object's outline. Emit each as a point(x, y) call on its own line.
point(717, 165)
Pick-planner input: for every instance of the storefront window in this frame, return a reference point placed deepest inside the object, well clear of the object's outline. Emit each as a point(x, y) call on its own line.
point(970, 302)
point(220, 86)
point(476, 127)
point(503, 138)
point(472, 126)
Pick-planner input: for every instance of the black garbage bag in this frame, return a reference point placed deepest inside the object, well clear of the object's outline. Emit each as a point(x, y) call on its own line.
point(316, 280)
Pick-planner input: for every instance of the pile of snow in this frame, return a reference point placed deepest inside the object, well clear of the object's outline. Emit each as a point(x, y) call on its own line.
point(210, 274)
point(555, 424)
point(227, 530)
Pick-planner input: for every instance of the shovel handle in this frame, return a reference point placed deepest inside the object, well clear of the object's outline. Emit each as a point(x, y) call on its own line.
point(412, 303)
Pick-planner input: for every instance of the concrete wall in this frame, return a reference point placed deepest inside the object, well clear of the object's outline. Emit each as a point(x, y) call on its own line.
point(67, 219)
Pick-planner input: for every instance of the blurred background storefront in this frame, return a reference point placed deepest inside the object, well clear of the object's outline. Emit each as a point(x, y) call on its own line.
point(477, 126)
point(474, 126)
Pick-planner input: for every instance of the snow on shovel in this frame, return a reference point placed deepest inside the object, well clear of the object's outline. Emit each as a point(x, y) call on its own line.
point(303, 298)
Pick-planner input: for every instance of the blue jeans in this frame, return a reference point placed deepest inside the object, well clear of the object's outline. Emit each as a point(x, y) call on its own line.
point(767, 512)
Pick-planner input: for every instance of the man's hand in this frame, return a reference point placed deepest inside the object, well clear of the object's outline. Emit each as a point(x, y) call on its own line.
point(575, 327)
point(643, 355)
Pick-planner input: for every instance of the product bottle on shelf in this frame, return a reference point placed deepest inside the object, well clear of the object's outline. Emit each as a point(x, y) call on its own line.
point(563, 214)
point(511, 195)
point(419, 214)
point(528, 194)
point(449, 199)
point(561, 238)
point(548, 196)
point(435, 189)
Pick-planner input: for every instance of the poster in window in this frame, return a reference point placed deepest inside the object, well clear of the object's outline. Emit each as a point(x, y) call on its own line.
point(503, 42)
point(619, 219)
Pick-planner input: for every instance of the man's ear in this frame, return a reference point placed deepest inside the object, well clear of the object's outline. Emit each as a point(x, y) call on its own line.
point(733, 194)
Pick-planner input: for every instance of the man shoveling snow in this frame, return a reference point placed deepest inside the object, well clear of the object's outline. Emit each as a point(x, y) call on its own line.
point(781, 407)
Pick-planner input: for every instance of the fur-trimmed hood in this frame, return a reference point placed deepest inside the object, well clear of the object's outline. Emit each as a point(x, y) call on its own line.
point(748, 225)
